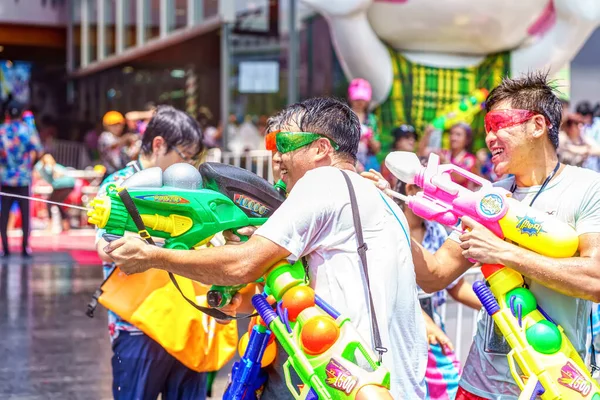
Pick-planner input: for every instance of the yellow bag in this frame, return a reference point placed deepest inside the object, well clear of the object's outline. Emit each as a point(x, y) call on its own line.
point(152, 303)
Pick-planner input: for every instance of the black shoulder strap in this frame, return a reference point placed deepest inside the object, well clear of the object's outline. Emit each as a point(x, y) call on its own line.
point(137, 219)
point(593, 364)
point(362, 252)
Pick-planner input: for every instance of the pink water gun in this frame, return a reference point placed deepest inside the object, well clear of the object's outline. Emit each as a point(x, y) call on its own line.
point(445, 201)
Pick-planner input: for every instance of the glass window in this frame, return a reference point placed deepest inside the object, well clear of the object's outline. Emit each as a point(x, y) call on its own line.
point(76, 16)
point(152, 19)
point(93, 31)
point(129, 23)
point(180, 14)
point(110, 32)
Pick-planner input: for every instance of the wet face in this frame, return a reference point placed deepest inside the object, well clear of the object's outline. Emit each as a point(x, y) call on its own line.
point(458, 138)
point(406, 143)
point(512, 147)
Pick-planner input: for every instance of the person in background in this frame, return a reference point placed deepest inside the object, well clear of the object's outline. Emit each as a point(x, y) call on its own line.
point(139, 119)
point(141, 367)
point(359, 97)
point(248, 137)
point(460, 152)
point(484, 159)
point(574, 147)
point(113, 144)
point(405, 139)
point(62, 185)
point(90, 139)
point(590, 133)
point(212, 135)
point(20, 146)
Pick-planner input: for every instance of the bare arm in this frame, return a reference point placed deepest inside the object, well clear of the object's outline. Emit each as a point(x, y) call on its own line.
point(463, 293)
point(573, 276)
point(436, 271)
point(223, 265)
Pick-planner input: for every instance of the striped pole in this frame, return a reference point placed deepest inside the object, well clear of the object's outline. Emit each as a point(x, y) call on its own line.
point(191, 90)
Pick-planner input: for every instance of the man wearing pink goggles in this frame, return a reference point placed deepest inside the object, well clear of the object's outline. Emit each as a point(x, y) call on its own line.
point(522, 134)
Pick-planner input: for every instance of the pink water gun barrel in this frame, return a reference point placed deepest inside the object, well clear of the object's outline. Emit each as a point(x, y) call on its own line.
point(444, 200)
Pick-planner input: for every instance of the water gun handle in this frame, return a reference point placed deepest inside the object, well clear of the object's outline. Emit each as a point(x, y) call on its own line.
point(243, 238)
point(532, 389)
point(220, 296)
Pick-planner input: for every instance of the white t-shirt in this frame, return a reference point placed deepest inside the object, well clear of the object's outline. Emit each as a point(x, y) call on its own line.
point(572, 197)
point(316, 221)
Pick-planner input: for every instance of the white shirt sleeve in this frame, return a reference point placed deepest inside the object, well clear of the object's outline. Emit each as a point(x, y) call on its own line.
point(299, 220)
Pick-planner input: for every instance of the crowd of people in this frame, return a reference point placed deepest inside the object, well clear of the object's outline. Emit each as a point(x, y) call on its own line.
point(534, 146)
point(315, 139)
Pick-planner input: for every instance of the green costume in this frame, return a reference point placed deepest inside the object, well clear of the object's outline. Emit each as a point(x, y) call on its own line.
point(419, 92)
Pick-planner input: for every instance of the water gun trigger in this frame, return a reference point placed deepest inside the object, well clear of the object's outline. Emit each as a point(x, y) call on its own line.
point(243, 238)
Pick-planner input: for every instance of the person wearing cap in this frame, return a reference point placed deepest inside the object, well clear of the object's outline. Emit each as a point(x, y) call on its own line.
point(359, 97)
point(19, 148)
point(113, 144)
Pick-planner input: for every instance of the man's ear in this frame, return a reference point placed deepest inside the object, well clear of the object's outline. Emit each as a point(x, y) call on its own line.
point(540, 123)
point(323, 148)
point(157, 143)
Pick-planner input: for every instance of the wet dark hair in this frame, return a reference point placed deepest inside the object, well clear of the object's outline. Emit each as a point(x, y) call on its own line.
point(531, 92)
point(175, 126)
point(325, 116)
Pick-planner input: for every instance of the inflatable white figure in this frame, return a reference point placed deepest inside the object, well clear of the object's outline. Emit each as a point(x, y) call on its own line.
point(434, 52)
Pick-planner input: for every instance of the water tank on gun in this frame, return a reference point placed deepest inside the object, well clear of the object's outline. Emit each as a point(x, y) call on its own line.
point(255, 195)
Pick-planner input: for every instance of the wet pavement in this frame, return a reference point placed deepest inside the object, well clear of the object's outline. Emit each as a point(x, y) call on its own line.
point(49, 348)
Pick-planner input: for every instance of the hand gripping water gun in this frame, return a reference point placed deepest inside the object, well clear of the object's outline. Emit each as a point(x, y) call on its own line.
point(187, 207)
point(461, 111)
point(323, 347)
point(551, 366)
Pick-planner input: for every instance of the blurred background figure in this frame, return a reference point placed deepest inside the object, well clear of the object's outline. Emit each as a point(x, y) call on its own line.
point(212, 135)
point(19, 148)
point(247, 137)
point(114, 146)
point(405, 139)
point(62, 185)
point(138, 120)
point(359, 97)
point(575, 148)
point(590, 132)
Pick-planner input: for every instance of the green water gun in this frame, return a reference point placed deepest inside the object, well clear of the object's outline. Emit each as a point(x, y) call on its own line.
point(187, 207)
point(321, 346)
